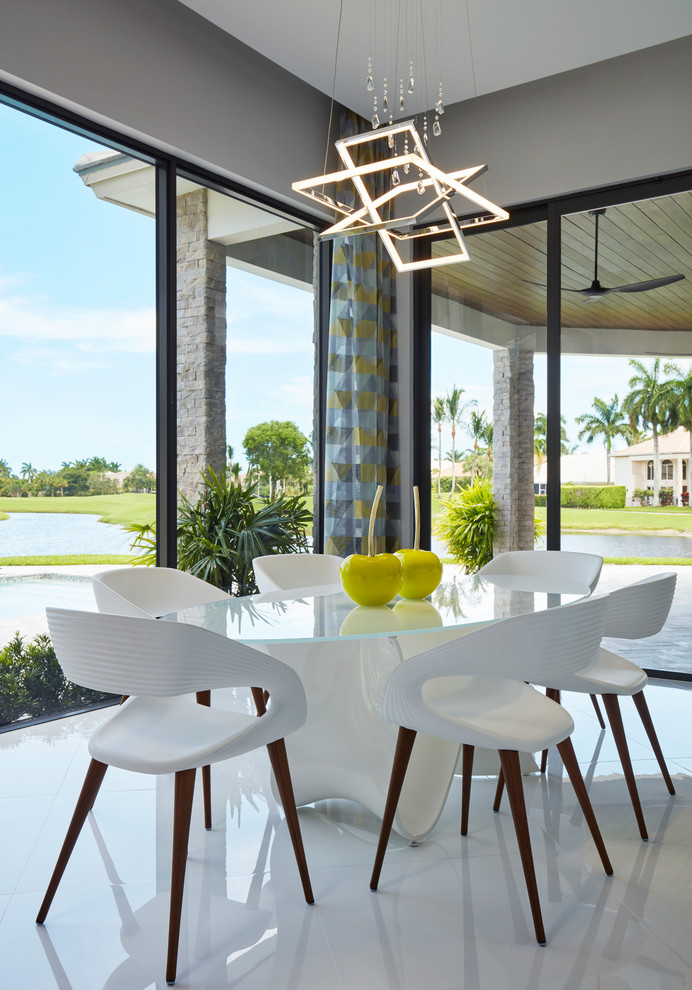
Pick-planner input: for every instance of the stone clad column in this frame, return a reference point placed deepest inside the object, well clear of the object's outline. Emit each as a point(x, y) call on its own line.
point(513, 424)
point(201, 345)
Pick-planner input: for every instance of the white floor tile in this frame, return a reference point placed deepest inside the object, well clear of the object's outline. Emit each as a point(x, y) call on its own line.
point(451, 912)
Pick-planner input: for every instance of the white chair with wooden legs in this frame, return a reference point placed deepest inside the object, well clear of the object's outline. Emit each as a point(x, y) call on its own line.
point(550, 570)
point(153, 592)
point(292, 571)
point(158, 731)
point(489, 709)
point(636, 611)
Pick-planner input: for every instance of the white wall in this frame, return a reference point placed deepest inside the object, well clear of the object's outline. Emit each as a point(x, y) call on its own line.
point(159, 71)
point(156, 69)
point(625, 118)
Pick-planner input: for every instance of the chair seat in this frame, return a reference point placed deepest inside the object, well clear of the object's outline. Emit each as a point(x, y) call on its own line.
point(498, 714)
point(610, 674)
point(165, 735)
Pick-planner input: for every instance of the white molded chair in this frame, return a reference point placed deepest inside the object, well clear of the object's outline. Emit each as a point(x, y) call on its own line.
point(550, 570)
point(555, 566)
point(159, 732)
point(493, 711)
point(150, 592)
point(636, 611)
point(291, 571)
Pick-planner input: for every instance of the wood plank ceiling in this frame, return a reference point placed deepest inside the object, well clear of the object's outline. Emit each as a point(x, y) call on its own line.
point(637, 242)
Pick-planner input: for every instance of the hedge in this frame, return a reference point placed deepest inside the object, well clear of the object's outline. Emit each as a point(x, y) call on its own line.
point(588, 497)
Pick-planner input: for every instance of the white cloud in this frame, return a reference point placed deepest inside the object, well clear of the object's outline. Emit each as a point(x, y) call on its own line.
point(32, 318)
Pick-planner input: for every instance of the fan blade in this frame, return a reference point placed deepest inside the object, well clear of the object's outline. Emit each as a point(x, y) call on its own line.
point(653, 283)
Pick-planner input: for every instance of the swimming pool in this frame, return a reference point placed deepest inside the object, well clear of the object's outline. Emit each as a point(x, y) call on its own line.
point(32, 594)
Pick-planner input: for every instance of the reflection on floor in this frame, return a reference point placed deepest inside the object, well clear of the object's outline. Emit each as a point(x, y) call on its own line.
point(450, 913)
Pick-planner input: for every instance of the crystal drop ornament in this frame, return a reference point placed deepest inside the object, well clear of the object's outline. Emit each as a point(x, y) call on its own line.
point(439, 107)
point(437, 129)
point(369, 84)
point(390, 139)
point(395, 177)
point(385, 104)
point(401, 104)
point(375, 120)
point(420, 187)
point(411, 84)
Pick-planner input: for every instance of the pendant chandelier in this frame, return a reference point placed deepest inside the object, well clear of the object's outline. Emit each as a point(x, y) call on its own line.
point(414, 197)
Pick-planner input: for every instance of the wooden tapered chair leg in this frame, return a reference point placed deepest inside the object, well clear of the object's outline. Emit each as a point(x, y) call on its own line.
point(182, 809)
point(204, 698)
point(499, 790)
point(610, 703)
point(599, 716)
point(554, 695)
point(566, 751)
point(90, 788)
point(644, 714)
point(282, 775)
point(509, 760)
point(466, 777)
point(402, 755)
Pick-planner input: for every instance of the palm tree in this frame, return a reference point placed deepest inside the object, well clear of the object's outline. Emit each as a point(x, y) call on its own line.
point(540, 437)
point(5, 469)
point(476, 430)
point(28, 471)
point(606, 421)
point(455, 410)
point(681, 396)
point(439, 415)
point(650, 402)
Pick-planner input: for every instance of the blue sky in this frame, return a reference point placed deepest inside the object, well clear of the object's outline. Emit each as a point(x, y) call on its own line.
point(77, 325)
point(77, 319)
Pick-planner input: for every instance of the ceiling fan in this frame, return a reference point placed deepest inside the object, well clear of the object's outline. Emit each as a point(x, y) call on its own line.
point(596, 290)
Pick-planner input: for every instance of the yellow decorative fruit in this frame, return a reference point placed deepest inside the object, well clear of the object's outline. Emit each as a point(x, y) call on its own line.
point(371, 580)
point(422, 572)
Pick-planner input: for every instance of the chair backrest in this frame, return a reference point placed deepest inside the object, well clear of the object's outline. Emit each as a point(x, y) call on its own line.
point(582, 568)
point(639, 610)
point(286, 571)
point(151, 591)
point(122, 654)
point(540, 647)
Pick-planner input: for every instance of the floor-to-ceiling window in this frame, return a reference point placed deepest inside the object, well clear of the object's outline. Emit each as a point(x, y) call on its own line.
point(77, 407)
point(488, 379)
point(626, 389)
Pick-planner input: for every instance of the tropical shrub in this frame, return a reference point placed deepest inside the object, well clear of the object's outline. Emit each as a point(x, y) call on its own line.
point(467, 525)
point(32, 682)
point(642, 495)
point(665, 496)
point(540, 501)
point(230, 524)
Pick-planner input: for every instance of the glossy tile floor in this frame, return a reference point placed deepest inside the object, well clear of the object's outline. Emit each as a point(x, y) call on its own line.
point(451, 913)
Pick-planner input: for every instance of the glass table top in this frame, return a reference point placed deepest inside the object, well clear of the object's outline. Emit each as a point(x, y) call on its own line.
point(328, 614)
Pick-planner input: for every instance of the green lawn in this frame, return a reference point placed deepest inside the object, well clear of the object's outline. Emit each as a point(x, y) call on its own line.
point(118, 509)
point(628, 520)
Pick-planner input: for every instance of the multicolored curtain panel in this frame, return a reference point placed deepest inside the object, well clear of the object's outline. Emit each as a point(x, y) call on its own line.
point(362, 430)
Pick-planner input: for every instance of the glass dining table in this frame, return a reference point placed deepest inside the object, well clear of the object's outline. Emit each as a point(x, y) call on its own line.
point(344, 655)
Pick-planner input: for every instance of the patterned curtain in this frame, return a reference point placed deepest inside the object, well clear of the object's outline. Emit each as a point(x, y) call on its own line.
point(362, 433)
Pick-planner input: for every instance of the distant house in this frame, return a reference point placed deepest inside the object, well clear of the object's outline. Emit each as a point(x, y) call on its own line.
point(589, 468)
point(634, 466)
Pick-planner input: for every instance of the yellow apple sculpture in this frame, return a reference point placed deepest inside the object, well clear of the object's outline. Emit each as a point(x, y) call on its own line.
point(372, 579)
point(422, 568)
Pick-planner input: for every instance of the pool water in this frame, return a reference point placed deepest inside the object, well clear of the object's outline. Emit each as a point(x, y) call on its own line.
point(24, 596)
